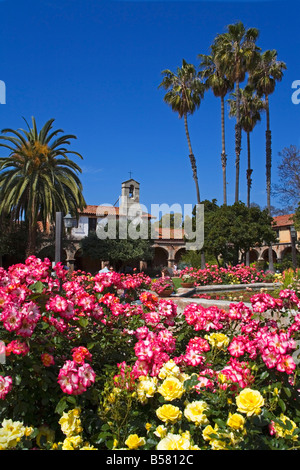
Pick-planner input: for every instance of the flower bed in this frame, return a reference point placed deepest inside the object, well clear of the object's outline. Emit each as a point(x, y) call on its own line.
point(235, 296)
point(162, 284)
point(87, 368)
point(239, 274)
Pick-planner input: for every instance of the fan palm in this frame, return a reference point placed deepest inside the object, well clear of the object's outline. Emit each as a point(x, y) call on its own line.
point(267, 71)
point(250, 111)
point(184, 94)
point(38, 178)
point(236, 50)
point(212, 71)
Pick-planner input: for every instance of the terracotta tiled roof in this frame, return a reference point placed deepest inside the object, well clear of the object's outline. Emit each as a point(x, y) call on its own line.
point(104, 210)
point(99, 210)
point(172, 233)
point(283, 220)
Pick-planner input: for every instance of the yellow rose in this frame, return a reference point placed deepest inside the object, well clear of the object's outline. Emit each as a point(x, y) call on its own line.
point(171, 388)
point(249, 402)
point(281, 431)
point(186, 435)
point(160, 431)
point(170, 369)
point(173, 442)
point(111, 398)
point(216, 444)
point(169, 413)
point(72, 443)
point(115, 443)
point(11, 433)
point(236, 421)
point(70, 422)
point(146, 389)
point(87, 446)
point(218, 340)
point(209, 431)
point(195, 412)
point(134, 441)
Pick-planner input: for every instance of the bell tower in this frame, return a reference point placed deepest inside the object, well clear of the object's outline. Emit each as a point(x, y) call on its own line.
point(130, 197)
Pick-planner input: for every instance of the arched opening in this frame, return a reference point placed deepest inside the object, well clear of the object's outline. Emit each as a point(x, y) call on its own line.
point(286, 253)
point(287, 258)
point(178, 255)
point(265, 256)
point(253, 256)
point(160, 258)
point(48, 251)
point(85, 263)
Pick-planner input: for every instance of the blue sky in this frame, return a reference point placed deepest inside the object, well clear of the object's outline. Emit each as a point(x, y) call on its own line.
point(95, 67)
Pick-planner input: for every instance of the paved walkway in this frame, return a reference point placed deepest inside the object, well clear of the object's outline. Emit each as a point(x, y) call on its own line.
point(184, 296)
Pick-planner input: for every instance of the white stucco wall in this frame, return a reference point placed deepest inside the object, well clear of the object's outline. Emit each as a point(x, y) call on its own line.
point(83, 228)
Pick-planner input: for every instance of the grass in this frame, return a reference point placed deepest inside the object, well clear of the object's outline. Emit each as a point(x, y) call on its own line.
point(176, 282)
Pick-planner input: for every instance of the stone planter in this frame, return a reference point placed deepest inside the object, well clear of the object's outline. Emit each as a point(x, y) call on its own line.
point(165, 293)
point(187, 284)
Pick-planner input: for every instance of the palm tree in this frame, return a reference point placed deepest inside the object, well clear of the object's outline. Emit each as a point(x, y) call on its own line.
point(236, 50)
point(212, 71)
point(184, 94)
point(38, 178)
point(267, 71)
point(250, 111)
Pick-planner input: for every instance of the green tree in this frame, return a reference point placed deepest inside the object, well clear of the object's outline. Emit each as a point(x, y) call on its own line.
point(212, 71)
point(172, 220)
point(13, 239)
point(236, 50)
point(38, 178)
point(267, 71)
point(184, 94)
point(251, 107)
point(231, 231)
point(117, 250)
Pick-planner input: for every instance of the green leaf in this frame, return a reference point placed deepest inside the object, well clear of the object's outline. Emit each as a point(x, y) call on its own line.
point(61, 406)
point(264, 375)
point(84, 322)
point(71, 400)
point(220, 423)
point(191, 382)
point(37, 287)
point(282, 404)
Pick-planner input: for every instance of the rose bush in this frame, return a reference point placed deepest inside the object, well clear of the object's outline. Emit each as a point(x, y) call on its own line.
point(162, 284)
point(101, 362)
point(239, 274)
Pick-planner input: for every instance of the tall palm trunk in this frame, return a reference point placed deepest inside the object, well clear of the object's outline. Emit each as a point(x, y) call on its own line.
point(195, 176)
point(32, 227)
point(238, 141)
point(249, 169)
point(249, 182)
point(192, 159)
point(223, 154)
point(268, 174)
